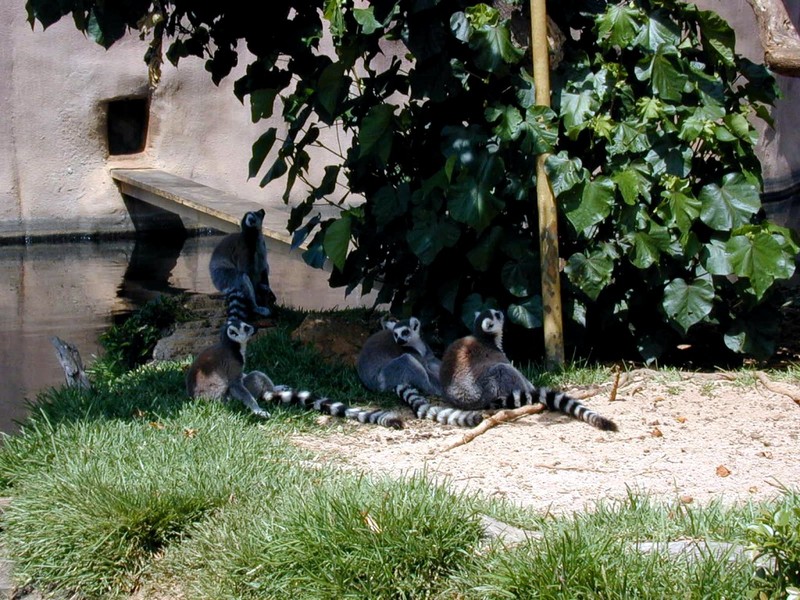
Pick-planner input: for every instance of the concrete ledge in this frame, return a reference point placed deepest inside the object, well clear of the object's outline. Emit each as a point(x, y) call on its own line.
point(195, 203)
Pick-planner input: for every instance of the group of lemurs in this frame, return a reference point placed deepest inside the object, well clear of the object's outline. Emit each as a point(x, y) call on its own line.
point(473, 378)
point(239, 269)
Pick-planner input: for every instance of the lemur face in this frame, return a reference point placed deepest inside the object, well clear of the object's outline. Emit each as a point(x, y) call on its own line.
point(254, 219)
point(406, 334)
point(489, 322)
point(239, 331)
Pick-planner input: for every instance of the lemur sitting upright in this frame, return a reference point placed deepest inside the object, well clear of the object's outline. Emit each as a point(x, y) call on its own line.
point(239, 269)
point(477, 374)
point(218, 372)
point(396, 358)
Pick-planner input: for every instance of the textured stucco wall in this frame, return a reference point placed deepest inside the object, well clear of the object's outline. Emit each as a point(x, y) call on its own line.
point(53, 157)
point(54, 85)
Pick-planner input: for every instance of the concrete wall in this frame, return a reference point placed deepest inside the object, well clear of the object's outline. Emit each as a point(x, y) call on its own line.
point(54, 163)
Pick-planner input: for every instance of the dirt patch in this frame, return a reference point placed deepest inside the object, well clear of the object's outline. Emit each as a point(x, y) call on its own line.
point(690, 438)
point(686, 437)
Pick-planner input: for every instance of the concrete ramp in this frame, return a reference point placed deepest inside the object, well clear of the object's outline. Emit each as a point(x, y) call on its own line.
point(196, 203)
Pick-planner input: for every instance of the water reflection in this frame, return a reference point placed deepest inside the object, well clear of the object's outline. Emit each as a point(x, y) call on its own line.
point(76, 290)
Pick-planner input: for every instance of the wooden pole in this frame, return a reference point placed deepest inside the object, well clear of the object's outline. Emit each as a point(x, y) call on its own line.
point(548, 217)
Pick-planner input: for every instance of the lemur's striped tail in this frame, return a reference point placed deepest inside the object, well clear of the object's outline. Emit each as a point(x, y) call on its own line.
point(557, 401)
point(237, 304)
point(440, 413)
point(310, 401)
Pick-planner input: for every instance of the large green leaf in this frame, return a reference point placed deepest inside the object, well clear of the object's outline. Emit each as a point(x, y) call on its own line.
point(337, 241)
point(619, 25)
point(659, 30)
point(261, 148)
point(681, 210)
point(375, 133)
point(366, 18)
point(508, 121)
point(687, 304)
point(577, 109)
point(648, 245)
point(388, 204)
point(628, 137)
point(539, 132)
point(472, 199)
point(105, 25)
point(430, 235)
point(730, 206)
point(262, 104)
point(592, 206)
point(667, 81)
point(528, 314)
point(715, 258)
point(483, 253)
point(739, 126)
point(494, 47)
point(591, 273)
point(564, 172)
point(755, 334)
point(521, 276)
point(758, 256)
point(718, 36)
point(332, 88)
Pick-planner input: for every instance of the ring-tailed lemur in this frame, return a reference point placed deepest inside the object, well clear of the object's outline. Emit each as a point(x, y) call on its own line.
point(239, 269)
point(218, 372)
point(477, 374)
point(396, 358)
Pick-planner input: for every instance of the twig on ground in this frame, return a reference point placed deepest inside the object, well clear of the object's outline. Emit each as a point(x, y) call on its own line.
point(496, 419)
point(776, 387)
point(613, 396)
point(716, 376)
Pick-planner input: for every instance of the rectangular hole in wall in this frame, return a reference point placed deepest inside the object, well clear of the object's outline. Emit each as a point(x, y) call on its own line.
point(127, 121)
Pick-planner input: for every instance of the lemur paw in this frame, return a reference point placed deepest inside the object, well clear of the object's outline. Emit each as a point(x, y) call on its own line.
point(262, 311)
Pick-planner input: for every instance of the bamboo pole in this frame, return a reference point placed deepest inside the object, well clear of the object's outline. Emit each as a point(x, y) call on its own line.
point(548, 224)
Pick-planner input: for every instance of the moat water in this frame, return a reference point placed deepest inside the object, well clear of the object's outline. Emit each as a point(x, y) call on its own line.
point(76, 290)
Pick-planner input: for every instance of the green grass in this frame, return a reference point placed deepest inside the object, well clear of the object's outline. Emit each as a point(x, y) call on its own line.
point(135, 486)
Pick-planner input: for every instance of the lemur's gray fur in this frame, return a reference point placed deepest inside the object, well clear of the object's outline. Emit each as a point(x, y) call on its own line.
point(397, 358)
point(476, 374)
point(239, 269)
point(218, 372)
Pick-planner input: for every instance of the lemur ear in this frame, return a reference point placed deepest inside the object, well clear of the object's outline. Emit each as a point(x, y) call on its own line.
point(388, 322)
point(414, 322)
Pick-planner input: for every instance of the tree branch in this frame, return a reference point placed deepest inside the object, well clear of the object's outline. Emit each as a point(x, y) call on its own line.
point(495, 420)
point(779, 37)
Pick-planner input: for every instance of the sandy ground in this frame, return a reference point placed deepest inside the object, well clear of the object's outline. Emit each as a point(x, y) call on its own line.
point(689, 438)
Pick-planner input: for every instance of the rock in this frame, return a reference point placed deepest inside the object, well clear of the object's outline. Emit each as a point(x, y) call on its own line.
point(189, 338)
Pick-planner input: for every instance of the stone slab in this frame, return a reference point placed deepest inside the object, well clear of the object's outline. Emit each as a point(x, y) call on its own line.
point(196, 203)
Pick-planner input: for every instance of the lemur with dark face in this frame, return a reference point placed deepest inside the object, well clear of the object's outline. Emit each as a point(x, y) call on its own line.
point(476, 374)
point(396, 358)
point(218, 373)
point(239, 269)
